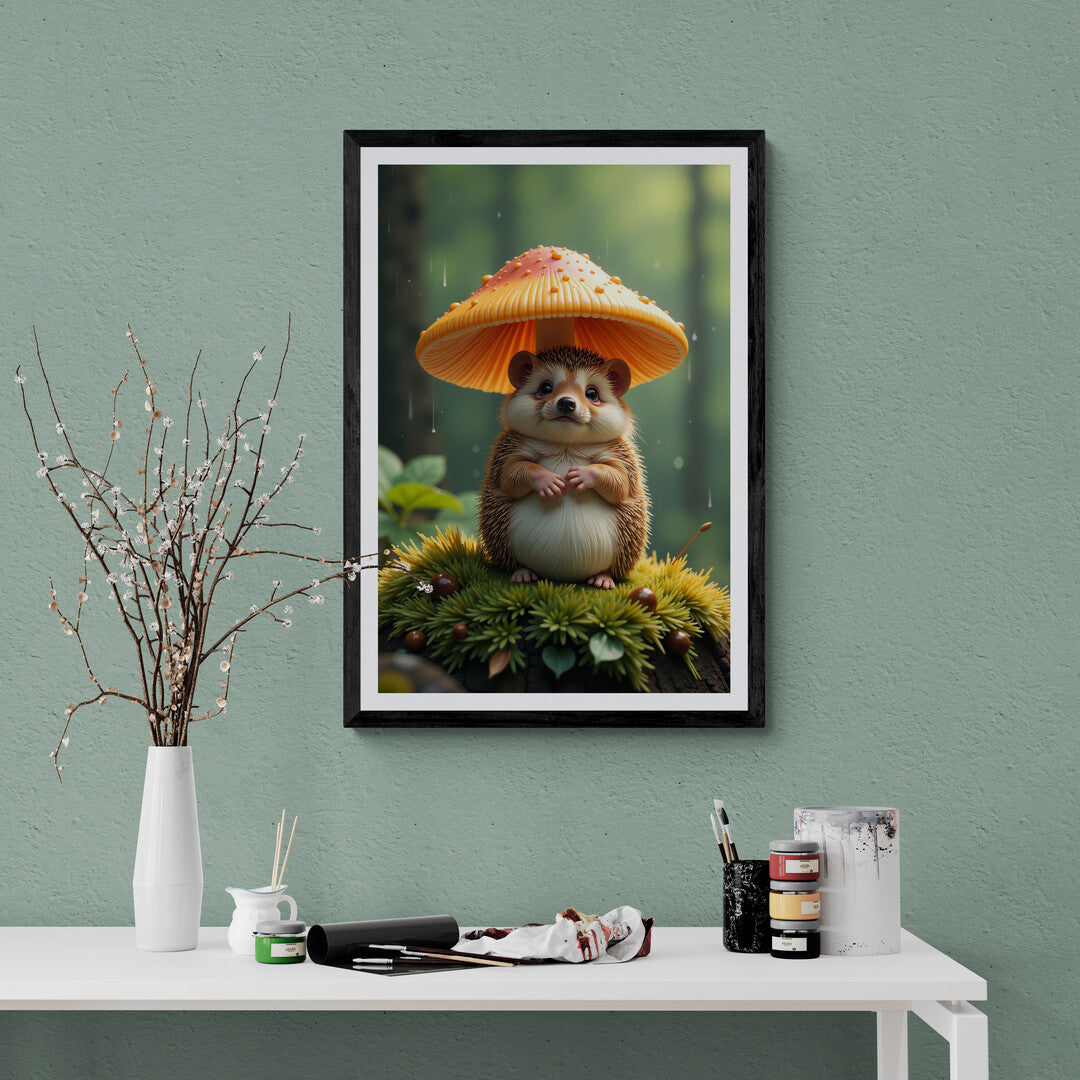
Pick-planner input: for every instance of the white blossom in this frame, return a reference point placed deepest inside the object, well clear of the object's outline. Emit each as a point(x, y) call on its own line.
point(42, 472)
point(20, 378)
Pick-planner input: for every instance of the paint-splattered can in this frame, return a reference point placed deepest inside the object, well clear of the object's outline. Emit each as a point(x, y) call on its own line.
point(794, 860)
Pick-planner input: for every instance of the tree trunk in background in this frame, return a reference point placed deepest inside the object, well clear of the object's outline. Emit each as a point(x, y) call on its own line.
point(696, 470)
point(405, 389)
point(506, 214)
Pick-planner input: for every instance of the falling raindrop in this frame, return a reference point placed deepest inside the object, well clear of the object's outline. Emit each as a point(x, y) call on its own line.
point(475, 449)
point(498, 214)
point(432, 412)
point(679, 463)
point(693, 336)
point(710, 498)
point(444, 274)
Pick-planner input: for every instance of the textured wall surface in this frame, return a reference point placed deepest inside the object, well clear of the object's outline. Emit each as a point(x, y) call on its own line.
point(180, 168)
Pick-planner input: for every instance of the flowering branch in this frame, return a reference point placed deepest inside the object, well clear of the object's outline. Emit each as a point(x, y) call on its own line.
point(166, 552)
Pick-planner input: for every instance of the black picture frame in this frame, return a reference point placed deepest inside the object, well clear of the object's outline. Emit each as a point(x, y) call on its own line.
point(362, 146)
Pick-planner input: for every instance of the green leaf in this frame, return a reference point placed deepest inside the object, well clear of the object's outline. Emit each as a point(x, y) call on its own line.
point(560, 660)
point(390, 469)
point(424, 469)
point(411, 497)
point(605, 648)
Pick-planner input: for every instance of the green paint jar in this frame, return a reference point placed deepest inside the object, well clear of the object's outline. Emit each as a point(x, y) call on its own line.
point(278, 942)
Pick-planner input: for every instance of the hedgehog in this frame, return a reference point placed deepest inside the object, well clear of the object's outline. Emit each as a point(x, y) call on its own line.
point(564, 494)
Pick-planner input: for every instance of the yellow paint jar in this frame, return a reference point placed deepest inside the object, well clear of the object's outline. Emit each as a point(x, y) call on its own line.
point(794, 900)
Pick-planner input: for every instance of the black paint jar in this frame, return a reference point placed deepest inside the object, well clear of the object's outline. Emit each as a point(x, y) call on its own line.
point(746, 906)
point(795, 940)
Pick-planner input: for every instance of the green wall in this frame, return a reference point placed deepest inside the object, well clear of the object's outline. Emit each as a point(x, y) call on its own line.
point(180, 168)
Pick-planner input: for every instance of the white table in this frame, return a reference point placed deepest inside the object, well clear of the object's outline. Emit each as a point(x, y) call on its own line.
point(45, 968)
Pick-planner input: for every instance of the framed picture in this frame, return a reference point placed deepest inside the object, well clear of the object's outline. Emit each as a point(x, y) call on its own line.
point(554, 428)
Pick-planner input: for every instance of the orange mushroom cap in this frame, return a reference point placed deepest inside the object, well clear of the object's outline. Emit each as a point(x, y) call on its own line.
point(548, 296)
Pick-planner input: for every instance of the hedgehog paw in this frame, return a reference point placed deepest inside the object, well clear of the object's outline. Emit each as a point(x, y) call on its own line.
point(602, 580)
point(523, 575)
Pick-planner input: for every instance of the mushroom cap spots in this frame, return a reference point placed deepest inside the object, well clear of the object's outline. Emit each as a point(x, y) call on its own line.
point(471, 345)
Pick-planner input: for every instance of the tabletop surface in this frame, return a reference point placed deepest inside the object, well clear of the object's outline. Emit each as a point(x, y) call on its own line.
point(95, 967)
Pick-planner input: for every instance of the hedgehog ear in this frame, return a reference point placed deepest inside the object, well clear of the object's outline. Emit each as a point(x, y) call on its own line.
point(617, 373)
point(520, 369)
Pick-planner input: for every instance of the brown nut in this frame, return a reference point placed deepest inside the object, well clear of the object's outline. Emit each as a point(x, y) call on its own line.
point(443, 585)
point(645, 597)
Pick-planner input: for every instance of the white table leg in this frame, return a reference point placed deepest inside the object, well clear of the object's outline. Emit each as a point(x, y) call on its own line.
point(966, 1029)
point(892, 1046)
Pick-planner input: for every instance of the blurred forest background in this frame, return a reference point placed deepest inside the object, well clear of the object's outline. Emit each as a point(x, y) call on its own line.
point(663, 229)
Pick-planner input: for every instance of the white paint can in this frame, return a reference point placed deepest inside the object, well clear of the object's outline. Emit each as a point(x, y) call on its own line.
point(859, 878)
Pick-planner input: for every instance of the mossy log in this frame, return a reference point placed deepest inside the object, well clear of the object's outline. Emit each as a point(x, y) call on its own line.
point(670, 674)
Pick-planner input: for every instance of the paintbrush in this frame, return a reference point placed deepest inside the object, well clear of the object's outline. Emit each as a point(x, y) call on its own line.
point(465, 958)
point(721, 813)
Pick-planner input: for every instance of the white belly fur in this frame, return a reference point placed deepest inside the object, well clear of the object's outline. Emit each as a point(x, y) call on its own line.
point(569, 538)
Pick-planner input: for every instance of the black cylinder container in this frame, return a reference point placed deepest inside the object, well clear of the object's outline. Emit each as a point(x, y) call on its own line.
point(340, 943)
point(746, 906)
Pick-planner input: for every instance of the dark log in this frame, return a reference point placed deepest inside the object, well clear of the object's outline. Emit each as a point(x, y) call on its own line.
point(670, 675)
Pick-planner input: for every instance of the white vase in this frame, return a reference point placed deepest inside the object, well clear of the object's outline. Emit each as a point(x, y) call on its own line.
point(168, 880)
point(860, 877)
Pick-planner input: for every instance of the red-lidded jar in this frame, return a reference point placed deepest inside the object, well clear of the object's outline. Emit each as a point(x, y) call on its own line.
point(794, 860)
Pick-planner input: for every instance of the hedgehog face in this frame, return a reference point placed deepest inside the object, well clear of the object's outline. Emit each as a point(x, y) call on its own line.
point(568, 395)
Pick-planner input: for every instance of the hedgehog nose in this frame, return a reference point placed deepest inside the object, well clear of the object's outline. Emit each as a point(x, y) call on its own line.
point(566, 405)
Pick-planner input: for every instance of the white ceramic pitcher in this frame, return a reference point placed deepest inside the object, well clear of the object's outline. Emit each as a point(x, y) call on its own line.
point(255, 906)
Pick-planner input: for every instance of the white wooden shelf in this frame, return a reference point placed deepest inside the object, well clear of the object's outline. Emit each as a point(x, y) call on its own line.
point(49, 968)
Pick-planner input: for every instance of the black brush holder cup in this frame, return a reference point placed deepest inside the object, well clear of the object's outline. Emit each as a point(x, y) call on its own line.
point(746, 906)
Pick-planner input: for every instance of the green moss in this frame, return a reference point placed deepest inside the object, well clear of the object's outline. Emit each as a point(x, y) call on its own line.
point(606, 630)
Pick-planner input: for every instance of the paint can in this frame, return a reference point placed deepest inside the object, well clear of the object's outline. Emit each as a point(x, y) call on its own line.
point(793, 860)
point(795, 940)
point(859, 877)
point(794, 901)
point(280, 942)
